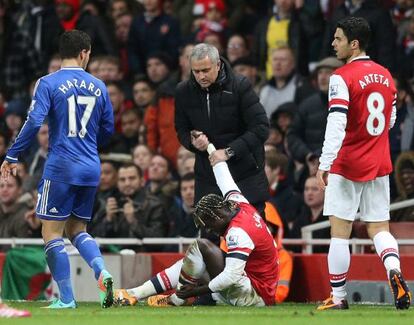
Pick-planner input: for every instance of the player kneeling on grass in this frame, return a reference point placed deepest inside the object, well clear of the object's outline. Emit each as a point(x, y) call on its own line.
point(246, 276)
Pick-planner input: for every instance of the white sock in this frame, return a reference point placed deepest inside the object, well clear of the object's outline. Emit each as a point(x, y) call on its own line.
point(145, 290)
point(163, 281)
point(339, 259)
point(387, 249)
point(168, 278)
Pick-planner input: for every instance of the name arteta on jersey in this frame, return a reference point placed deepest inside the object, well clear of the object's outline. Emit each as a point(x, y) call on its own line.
point(90, 86)
point(373, 78)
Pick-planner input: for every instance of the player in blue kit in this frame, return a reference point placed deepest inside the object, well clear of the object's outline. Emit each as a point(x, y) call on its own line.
point(80, 116)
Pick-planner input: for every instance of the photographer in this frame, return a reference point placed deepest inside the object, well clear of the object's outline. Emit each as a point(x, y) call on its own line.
point(133, 213)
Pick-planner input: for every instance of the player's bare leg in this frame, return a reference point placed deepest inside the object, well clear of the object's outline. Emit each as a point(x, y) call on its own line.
point(201, 256)
point(339, 258)
point(387, 249)
point(75, 229)
point(58, 261)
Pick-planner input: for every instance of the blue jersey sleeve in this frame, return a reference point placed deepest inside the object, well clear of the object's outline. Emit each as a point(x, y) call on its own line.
point(106, 128)
point(38, 110)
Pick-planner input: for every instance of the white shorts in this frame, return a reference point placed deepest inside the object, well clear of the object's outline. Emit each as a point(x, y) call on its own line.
point(343, 198)
point(239, 294)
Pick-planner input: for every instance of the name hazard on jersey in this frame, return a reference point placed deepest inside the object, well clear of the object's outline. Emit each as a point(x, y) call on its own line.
point(75, 83)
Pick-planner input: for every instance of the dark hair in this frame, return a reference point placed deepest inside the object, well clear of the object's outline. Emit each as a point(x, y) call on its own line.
point(356, 28)
point(275, 160)
point(207, 208)
point(144, 78)
point(188, 177)
point(73, 42)
point(170, 167)
point(131, 165)
point(116, 84)
point(114, 164)
point(132, 111)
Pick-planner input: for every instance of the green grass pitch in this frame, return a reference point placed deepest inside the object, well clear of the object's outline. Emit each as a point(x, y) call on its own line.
point(303, 314)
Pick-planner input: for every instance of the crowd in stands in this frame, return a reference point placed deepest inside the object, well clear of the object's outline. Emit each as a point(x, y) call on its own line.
point(140, 49)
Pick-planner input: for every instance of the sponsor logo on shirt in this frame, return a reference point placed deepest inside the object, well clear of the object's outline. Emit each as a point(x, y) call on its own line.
point(333, 90)
point(233, 241)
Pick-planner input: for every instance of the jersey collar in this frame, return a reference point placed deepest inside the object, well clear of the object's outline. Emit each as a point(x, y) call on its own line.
point(360, 58)
point(71, 68)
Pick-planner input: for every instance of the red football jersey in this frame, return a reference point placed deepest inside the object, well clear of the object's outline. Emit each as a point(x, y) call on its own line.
point(249, 236)
point(366, 92)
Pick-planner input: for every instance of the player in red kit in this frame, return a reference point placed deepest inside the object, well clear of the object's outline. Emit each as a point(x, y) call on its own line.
point(246, 276)
point(355, 161)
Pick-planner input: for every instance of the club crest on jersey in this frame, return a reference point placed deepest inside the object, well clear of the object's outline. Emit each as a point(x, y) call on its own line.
point(333, 90)
point(232, 241)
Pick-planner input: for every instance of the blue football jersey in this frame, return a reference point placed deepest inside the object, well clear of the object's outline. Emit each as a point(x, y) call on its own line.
point(80, 116)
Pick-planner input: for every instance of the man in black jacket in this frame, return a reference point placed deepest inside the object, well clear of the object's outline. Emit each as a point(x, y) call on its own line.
point(222, 108)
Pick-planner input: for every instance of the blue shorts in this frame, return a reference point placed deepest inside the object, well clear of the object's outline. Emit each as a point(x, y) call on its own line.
point(58, 201)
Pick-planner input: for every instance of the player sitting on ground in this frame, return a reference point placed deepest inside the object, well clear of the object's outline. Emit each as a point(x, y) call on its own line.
point(248, 274)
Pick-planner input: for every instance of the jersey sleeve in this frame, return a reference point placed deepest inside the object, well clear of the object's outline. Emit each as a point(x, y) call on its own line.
point(337, 120)
point(240, 245)
point(338, 96)
point(38, 110)
point(106, 128)
point(226, 183)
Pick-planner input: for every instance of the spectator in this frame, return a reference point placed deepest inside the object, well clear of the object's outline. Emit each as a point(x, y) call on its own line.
point(74, 15)
point(182, 155)
point(231, 117)
point(121, 7)
point(122, 26)
point(45, 30)
point(288, 26)
point(159, 65)
point(141, 157)
point(181, 213)
point(21, 61)
point(382, 45)
point(131, 122)
point(134, 213)
point(108, 180)
point(213, 22)
point(152, 31)
point(159, 118)
point(287, 203)
point(3, 145)
point(143, 92)
point(404, 177)
point(39, 157)
point(160, 182)
point(311, 213)
point(119, 104)
point(236, 48)
point(306, 134)
point(244, 66)
point(13, 220)
point(285, 85)
point(93, 66)
point(54, 63)
point(283, 116)
point(14, 116)
point(188, 165)
point(109, 69)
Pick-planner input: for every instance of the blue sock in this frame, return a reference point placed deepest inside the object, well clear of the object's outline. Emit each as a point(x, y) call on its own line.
point(89, 251)
point(58, 262)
